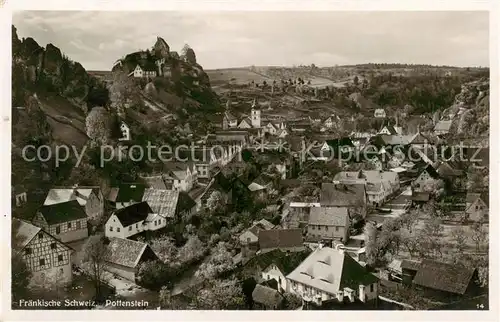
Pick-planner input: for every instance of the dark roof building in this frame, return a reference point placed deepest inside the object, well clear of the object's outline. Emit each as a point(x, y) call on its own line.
point(284, 239)
point(445, 277)
point(342, 194)
point(62, 212)
point(128, 253)
point(127, 192)
point(133, 213)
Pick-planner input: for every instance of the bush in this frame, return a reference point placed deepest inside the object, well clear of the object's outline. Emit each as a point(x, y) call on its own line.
point(154, 275)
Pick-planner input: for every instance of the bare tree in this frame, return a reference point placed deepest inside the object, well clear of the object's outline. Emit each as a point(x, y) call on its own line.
point(479, 235)
point(94, 261)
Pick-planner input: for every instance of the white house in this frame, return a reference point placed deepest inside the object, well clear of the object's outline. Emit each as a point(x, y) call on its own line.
point(140, 72)
point(426, 180)
point(125, 132)
point(181, 175)
point(379, 113)
point(331, 121)
point(131, 220)
point(388, 130)
point(328, 274)
point(477, 206)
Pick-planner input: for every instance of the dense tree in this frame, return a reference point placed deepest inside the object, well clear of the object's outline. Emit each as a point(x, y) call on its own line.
point(193, 250)
point(154, 275)
point(220, 295)
point(219, 262)
point(98, 125)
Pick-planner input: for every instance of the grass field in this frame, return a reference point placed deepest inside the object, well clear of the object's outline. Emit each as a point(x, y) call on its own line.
point(67, 120)
point(237, 76)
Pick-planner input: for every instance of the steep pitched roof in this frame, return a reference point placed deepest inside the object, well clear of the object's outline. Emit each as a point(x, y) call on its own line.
point(22, 233)
point(162, 202)
point(62, 212)
point(156, 182)
point(125, 252)
point(329, 216)
point(443, 276)
point(331, 270)
point(431, 171)
point(286, 262)
point(127, 192)
point(81, 194)
point(278, 238)
point(266, 296)
point(343, 194)
point(443, 126)
point(133, 213)
point(391, 129)
point(473, 196)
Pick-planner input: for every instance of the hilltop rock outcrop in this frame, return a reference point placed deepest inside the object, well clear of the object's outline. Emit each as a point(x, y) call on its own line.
point(38, 69)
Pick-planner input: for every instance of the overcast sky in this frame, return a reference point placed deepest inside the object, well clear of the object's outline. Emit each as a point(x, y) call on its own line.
point(236, 39)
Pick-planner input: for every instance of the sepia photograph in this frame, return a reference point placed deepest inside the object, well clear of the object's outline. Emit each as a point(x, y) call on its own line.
point(250, 160)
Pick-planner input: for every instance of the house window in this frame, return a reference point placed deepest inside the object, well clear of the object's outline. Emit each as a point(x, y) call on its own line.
point(371, 287)
point(336, 228)
point(118, 229)
point(58, 229)
point(136, 226)
point(59, 258)
point(27, 251)
point(78, 225)
point(69, 225)
point(313, 227)
point(42, 261)
point(326, 228)
point(53, 246)
point(40, 236)
point(110, 228)
point(129, 228)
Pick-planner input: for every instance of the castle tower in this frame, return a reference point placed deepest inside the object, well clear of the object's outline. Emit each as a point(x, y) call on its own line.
point(255, 115)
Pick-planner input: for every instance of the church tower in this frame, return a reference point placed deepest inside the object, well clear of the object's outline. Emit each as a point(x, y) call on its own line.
point(255, 115)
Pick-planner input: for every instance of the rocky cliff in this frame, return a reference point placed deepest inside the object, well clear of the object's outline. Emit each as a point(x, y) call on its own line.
point(470, 111)
point(47, 70)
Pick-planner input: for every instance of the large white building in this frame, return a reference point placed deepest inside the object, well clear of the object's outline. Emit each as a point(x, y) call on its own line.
point(328, 274)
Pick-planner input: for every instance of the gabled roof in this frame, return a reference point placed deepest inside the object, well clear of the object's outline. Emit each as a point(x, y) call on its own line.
point(431, 171)
point(339, 142)
point(345, 195)
point(472, 197)
point(23, 232)
point(286, 262)
point(62, 212)
point(162, 202)
point(125, 252)
point(127, 192)
point(230, 117)
point(391, 129)
point(156, 182)
point(81, 194)
point(331, 270)
point(280, 238)
point(443, 126)
point(446, 170)
point(443, 276)
point(329, 216)
point(133, 213)
point(266, 296)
